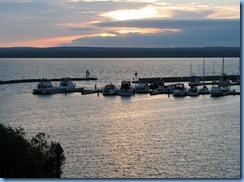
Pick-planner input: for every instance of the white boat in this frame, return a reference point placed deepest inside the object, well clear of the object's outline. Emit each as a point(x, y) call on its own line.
point(45, 87)
point(125, 89)
point(204, 90)
point(193, 91)
point(217, 91)
point(179, 90)
point(66, 84)
point(110, 89)
point(142, 88)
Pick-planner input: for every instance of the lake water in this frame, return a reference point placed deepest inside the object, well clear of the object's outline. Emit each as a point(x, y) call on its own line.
point(141, 136)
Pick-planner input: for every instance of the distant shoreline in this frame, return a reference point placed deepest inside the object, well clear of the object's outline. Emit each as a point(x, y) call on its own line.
point(107, 52)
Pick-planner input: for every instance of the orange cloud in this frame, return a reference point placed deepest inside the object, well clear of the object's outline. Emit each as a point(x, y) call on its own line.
point(48, 42)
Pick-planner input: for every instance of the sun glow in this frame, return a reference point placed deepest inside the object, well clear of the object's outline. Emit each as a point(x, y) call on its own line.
point(107, 35)
point(133, 14)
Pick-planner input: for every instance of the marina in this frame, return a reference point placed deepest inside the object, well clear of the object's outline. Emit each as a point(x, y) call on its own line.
point(137, 136)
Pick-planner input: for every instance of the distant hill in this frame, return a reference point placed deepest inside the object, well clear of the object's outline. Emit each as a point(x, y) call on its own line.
point(106, 52)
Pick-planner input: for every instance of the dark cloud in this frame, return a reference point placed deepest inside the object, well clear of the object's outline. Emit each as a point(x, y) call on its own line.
point(176, 24)
point(193, 33)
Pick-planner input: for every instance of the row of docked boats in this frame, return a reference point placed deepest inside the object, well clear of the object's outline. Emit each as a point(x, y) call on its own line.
point(126, 89)
point(177, 89)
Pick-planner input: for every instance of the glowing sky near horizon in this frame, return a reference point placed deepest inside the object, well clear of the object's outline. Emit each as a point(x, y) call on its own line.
point(117, 23)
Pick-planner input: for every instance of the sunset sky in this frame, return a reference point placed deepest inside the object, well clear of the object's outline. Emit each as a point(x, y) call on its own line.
point(119, 23)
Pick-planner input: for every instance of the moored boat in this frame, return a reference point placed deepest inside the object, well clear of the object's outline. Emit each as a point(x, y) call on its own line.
point(110, 89)
point(125, 89)
point(45, 87)
point(195, 81)
point(142, 88)
point(204, 90)
point(193, 91)
point(179, 90)
point(66, 84)
point(217, 91)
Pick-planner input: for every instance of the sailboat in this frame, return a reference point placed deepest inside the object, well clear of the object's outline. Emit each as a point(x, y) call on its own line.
point(204, 89)
point(194, 80)
point(223, 87)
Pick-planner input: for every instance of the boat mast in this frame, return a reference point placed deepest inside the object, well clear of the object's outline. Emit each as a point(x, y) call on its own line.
point(191, 69)
point(223, 66)
point(203, 70)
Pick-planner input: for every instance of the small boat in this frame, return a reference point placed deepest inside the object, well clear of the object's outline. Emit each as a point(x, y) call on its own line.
point(66, 84)
point(193, 91)
point(217, 91)
point(204, 90)
point(195, 81)
point(163, 89)
point(125, 89)
point(224, 80)
point(110, 89)
point(142, 88)
point(159, 90)
point(45, 87)
point(179, 90)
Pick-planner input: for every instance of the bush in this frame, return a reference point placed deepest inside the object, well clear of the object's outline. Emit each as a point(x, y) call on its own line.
point(23, 158)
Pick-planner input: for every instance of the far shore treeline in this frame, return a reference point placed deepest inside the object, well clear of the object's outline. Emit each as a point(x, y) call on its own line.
point(109, 52)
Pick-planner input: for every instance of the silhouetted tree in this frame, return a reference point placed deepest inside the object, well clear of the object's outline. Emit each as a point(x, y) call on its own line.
point(23, 158)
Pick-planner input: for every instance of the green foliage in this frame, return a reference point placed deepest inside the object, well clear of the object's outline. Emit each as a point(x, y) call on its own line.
point(22, 158)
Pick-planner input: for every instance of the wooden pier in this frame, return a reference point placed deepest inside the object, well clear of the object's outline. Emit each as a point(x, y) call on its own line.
point(38, 80)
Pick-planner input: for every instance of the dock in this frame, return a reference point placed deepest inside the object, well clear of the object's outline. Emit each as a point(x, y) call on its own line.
point(184, 79)
point(38, 80)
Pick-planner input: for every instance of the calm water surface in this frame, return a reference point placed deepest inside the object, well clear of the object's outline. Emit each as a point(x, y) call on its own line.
point(136, 137)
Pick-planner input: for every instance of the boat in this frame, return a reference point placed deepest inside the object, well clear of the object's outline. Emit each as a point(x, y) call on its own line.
point(45, 87)
point(194, 80)
point(224, 80)
point(179, 90)
point(193, 91)
point(142, 88)
point(110, 89)
point(217, 91)
point(163, 90)
point(66, 84)
point(125, 89)
point(204, 90)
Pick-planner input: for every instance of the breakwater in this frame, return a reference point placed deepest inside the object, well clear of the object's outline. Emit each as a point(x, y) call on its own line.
point(38, 80)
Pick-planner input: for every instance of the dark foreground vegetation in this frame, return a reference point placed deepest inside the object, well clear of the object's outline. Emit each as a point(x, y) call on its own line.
point(105, 52)
point(23, 158)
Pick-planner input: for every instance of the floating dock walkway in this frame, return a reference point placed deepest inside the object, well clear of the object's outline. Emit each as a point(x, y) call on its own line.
point(38, 80)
